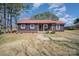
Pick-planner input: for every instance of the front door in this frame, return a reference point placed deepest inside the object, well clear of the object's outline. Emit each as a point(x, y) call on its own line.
point(40, 27)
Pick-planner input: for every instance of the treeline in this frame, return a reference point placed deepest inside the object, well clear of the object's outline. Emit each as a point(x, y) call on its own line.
point(8, 11)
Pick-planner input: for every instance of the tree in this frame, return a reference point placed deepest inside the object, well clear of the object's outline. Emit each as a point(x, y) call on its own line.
point(10, 11)
point(45, 16)
point(4, 7)
point(17, 8)
point(0, 24)
point(4, 12)
point(0, 18)
point(13, 11)
point(76, 21)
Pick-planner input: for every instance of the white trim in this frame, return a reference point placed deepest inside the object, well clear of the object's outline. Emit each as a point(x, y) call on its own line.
point(23, 26)
point(53, 26)
point(32, 26)
point(57, 26)
point(45, 27)
point(38, 27)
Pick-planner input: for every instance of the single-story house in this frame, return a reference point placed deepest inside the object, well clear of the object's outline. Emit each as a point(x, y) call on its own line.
point(40, 25)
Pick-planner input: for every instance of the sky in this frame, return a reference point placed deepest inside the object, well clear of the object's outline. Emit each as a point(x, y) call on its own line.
point(66, 12)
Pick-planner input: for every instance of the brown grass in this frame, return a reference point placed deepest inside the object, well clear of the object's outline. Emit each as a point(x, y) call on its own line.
point(36, 44)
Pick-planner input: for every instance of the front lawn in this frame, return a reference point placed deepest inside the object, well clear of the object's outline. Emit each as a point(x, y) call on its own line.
point(59, 43)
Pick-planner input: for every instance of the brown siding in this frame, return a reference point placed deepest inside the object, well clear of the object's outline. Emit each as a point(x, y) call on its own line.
point(27, 28)
point(54, 27)
point(33, 29)
point(62, 27)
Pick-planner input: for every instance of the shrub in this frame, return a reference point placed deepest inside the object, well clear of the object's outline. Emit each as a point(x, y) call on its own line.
point(47, 32)
point(13, 31)
point(52, 32)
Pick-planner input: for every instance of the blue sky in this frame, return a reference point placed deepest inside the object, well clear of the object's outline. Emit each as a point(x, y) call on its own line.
point(66, 12)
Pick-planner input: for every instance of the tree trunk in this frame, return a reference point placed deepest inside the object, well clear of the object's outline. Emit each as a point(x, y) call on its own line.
point(0, 25)
point(15, 22)
point(4, 17)
point(10, 23)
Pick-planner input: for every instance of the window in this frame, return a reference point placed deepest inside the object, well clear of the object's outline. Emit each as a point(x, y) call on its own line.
point(57, 27)
point(45, 25)
point(27, 26)
point(53, 26)
point(22, 26)
point(32, 26)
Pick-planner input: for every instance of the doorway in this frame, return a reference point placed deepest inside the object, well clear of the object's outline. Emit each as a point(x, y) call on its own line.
point(45, 27)
point(40, 27)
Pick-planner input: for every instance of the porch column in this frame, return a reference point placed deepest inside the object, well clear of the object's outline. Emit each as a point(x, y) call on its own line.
point(43, 27)
point(38, 27)
point(53, 27)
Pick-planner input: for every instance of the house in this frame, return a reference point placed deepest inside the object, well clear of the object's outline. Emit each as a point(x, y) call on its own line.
point(40, 25)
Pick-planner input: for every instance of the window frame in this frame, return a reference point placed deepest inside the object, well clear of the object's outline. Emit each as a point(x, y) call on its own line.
point(23, 26)
point(32, 26)
point(57, 26)
point(46, 26)
point(53, 26)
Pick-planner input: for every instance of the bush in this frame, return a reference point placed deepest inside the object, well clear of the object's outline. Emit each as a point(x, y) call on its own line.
point(13, 31)
point(47, 32)
point(52, 32)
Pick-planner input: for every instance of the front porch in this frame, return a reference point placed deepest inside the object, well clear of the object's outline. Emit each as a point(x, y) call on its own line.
point(35, 27)
point(40, 27)
point(45, 27)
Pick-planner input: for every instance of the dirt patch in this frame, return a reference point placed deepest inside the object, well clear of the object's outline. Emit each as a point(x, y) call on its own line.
point(42, 37)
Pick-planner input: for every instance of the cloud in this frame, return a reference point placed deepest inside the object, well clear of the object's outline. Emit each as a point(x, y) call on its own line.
point(36, 5)
point(58, 8)
point(60, 11)
point(68, 19)
point(54, 5)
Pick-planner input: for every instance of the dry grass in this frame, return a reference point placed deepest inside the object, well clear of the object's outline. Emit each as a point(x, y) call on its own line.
point(60, 43)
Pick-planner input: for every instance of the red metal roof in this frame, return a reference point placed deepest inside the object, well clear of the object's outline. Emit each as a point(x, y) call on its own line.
point(39, 22)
